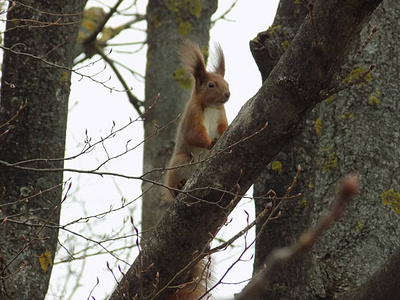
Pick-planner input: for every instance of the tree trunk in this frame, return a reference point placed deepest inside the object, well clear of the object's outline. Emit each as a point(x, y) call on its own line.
point(253, 139)
point(39, 50)
point(169, 23)
point(267, 49)
point(352, 131)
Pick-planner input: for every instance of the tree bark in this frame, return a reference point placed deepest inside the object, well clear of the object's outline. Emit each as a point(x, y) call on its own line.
point(308, 67)
point(169, 23)
point(344, 134)
point(40, 36)
point(267, 49)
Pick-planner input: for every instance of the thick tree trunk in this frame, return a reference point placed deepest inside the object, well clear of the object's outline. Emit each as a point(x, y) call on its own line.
point(40, 37)
point(267, 49)
point(349, 132)
point(169, 23)
point(293, 87)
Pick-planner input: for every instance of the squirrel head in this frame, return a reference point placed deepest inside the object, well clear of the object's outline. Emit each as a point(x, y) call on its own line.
point(210, 87)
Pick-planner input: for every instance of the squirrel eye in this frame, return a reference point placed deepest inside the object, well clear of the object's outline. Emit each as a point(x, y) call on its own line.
point(211, 84)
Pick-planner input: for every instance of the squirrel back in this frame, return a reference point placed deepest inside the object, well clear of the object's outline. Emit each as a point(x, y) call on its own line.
point(204, 119)
point(202, 123)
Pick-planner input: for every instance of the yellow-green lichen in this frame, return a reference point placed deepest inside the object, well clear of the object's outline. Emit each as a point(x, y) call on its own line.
point(329, 99)
point(45, 261)
point(356, 75)
point(331, 162)
point(91, 18)
point(154, 22)
point(347, 115)
point(15, 22)
point(272, 29)
point(297, 2)
point(304, 202)
point(359, 226)
point(318, 127)
point(64, 77)
point(184, 27)
point(204, 50)
point(390, 197)
point(194, 7)
point(285, 45)
point(310, 185)
point(373, 100)
point(276, 166)
point(182, 77)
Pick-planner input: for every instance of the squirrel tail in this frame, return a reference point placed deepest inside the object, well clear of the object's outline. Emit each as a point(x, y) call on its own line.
point(197, 283)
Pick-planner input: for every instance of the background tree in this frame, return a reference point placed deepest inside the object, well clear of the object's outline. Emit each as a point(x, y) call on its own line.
point(169, 23)
point(93, 39)
point(38, 55)
point(317, 63)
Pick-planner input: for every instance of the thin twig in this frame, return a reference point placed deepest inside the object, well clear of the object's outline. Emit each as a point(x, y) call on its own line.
point(132, 98)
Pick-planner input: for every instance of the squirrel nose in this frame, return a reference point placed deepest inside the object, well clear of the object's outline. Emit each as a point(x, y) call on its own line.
point(227, 95)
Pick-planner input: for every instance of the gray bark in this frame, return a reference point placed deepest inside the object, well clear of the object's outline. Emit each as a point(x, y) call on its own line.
point(292, 87)
point(267, 49)
point(35, 47)
point(358, 136)
point(169, 23)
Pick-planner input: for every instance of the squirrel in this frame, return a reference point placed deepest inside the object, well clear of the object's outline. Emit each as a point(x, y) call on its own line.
point(202, 123)
point(203, 120)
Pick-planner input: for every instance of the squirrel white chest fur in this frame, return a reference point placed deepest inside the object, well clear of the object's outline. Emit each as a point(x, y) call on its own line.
point(211, 116)
point(203, 122)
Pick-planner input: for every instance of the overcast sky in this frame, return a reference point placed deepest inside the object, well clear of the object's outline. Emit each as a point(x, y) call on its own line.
point(93, 109)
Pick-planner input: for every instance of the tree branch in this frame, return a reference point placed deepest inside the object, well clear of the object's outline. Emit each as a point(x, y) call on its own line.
point(92, 37)
point(132, 98)
point(284, 101)
point(282, 257)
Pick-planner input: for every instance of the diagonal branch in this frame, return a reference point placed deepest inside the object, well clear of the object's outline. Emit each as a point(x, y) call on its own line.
point(132, 98)
point(285, 99)
point(282, 257)
point(92, 37)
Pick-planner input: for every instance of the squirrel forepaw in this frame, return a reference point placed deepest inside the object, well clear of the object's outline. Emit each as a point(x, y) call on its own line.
point(213, 142)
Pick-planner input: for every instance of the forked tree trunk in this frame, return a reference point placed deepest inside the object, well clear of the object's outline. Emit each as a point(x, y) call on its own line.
point(283, 102)
point(354, 131)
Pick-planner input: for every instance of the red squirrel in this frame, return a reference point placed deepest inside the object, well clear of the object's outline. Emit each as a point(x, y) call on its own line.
point(203, 120)
point(202, 123)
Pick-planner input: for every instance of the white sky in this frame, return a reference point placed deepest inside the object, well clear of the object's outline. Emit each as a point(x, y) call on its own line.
point(94, 108)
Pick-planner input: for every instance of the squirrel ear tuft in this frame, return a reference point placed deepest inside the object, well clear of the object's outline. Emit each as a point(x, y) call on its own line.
point(194, 61)
point(220, 60)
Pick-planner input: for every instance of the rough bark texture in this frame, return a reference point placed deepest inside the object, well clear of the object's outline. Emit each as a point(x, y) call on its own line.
point(38, 132)
point(267, 49)
point(383, 284)
point(355, 134)
point(293, 87)
point(169, 23)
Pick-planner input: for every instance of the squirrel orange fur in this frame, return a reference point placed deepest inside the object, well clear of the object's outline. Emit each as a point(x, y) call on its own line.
point(202, 123)
point(204, 119)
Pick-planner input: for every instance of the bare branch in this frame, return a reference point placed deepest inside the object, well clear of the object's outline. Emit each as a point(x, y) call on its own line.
point(92, 37)
point(132, 98)
point(281, 257)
